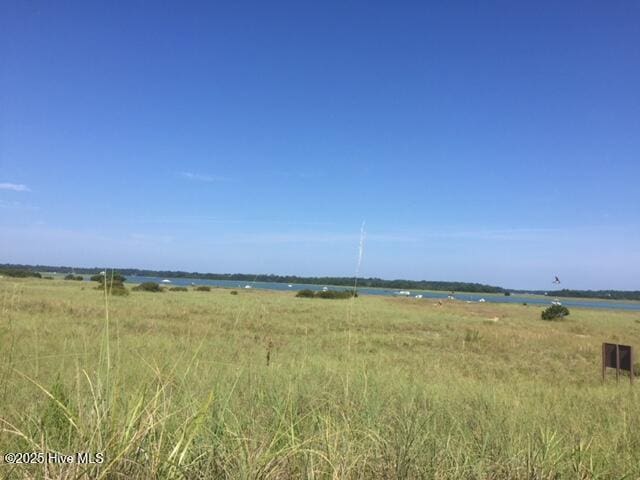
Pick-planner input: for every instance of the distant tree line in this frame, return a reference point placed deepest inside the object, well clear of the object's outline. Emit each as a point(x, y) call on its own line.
point(9, 271)
point(602, 294)
point(244, 277)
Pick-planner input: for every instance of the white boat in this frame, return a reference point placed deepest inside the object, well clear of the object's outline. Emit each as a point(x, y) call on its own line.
point(403, 293)
point(556, 302)
point(325, 289)
point(289, 285)
point(166, 280)
point(418, 296)
point(482, 300)
point(248, 286)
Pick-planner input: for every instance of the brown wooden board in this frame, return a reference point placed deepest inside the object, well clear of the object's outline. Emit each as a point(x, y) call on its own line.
point(625, 357)
point(619, 357)
point(610, 357)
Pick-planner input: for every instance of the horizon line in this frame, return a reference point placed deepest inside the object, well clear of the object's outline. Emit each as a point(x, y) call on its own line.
point(99, 269)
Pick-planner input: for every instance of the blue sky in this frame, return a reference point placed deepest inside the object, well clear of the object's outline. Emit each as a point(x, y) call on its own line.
point(496, 142)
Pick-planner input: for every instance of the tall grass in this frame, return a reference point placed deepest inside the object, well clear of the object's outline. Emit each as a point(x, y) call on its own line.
point(177, 386)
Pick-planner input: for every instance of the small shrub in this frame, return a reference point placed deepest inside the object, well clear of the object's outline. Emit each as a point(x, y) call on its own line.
point(507, 294)
point(233, 292)
point(148, 287)
point(330, 294)
point(47, 278)
point(178, 289)
point(203, 288)
point(111, 278)
point(306, 293)
point(636, 369)
point(118, 289)
point(555, 312)
point(19, 273)
point(335, 294)
point(115, 283)
point(71, 276)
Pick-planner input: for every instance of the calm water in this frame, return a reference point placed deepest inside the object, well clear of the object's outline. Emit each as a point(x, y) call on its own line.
point(465, 297)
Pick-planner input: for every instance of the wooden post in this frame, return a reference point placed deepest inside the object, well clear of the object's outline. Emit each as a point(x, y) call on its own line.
point(617, 363)
point(631, 374)
point(604, 359)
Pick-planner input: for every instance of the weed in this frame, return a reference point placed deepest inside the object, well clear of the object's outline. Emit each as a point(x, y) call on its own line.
point(148, 287)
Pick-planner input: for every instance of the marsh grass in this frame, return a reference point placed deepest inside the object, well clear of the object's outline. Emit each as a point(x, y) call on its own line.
point(208, 385)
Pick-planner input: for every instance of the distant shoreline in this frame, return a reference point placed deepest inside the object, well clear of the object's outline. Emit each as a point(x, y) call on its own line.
point(399, 284)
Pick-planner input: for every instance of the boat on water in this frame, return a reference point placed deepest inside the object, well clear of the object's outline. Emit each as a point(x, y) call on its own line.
point(166, 280)
point(248, 286)
point(289, 285)
point(482, 300)
point(403, 293)
point(325, 289)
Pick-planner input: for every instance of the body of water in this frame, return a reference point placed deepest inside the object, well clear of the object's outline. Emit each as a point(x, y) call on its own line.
point(426, 295)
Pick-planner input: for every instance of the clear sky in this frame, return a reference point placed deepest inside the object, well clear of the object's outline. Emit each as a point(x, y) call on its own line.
point(496, 142)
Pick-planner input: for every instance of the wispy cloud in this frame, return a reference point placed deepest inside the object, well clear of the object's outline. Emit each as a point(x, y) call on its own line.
point(199, 177)
point(16, 206)
point(16, 187)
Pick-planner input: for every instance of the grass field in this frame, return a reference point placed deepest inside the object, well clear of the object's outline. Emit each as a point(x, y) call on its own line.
point(263, 385)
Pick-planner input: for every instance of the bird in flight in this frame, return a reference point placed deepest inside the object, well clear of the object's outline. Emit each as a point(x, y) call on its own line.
point(557, 280)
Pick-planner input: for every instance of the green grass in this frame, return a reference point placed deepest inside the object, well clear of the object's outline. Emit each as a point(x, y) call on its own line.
point(178, 385)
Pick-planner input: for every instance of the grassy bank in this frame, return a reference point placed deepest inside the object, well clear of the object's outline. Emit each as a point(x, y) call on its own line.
point(264, 385)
